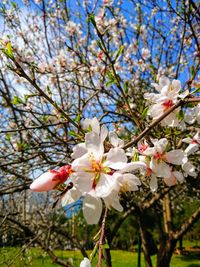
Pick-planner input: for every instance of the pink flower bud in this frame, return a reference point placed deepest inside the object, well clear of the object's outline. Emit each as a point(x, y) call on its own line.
point(49, 180)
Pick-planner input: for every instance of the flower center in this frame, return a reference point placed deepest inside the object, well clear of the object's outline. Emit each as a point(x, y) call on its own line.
point(194, 141)
point(143, 147)
point(149, 171)
point(167, 104)
point(158, 156)
point(97, 168)
point(125, 187)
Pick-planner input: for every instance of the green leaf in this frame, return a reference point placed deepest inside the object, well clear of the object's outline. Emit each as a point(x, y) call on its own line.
point(135, 156)
point(119, 52)
point(180, 115)
point(22, 146)
point(190, 105)
point(26, 97)
point(45, 118)
point(78, 118)
point(90, 128)
point(73, 133)
point(97, 236)
point(49, 91)
point(92, 255)
point(111, 79)
point(91, 18)
point(197, 90)
point(109, 83)
point(192, 71)
point(14, 4)
point(126, 87)
point(8, 137)
point(144, 113)
point(9, 50)
point(99, 44)
point(17, 100)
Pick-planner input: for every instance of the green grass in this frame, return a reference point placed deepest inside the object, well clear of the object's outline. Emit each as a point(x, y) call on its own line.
point(34, 257)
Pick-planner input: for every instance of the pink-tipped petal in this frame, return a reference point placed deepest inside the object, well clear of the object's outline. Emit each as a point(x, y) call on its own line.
point(47, 181)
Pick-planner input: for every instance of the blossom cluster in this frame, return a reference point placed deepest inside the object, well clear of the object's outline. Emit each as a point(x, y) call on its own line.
point(96, 174)
point(101, 170)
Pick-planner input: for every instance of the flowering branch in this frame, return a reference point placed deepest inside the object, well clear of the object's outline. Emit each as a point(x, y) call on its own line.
point(157, 121)
point(19, 70)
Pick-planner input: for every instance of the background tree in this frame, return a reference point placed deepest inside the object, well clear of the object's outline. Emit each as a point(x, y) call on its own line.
point(63, 61)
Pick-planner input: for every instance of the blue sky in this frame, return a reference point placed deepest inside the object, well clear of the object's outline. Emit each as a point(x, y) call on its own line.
point(127, 10)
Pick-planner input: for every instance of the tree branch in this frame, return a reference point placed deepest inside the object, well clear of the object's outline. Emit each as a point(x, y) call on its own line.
point(185, 227)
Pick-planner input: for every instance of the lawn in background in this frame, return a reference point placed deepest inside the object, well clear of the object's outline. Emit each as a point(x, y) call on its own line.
point(35, 257)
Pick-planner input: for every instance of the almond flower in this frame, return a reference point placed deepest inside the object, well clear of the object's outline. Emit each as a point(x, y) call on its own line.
point(95, 174)
point(188, 168)
point(51, 179)
point(167, 96)
point(85, 263)
point(192, 115)
point(194, 144)
point(157, 160)
point(175, 176)
point(98, 175)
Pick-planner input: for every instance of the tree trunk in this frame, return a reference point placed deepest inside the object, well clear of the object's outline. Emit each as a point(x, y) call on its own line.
point(165, 252)
point(139, 251)
point(147, 256)
point(144, 239)
point(107, 256)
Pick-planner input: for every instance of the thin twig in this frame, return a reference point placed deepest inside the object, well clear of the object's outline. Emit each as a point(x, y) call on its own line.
point(102, 237)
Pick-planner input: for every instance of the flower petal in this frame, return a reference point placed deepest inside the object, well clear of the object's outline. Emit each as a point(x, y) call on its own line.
point(191, 149)
point(130, 182)
point(156, 110)
point(153, 183)
point(73, 195)
point(161, 169)
point(112, 200)
point(47, 181)
point(171, 120)
point(175, 156)
point(92, 208)
point(79, 150)
point(114, 140)
point(179, 176)
point(132, 166)
point(176, 85)
point(116, 159)
point(83, 181)
point(82, 163)
point(170, 181)
point(156, 86)
point(106, 184)
point(187, 140)
point(94, 144)
point(93, 123)
point(163, 81)
point(189, 168)
point(161, 145)
point(104, 133)
point(85, 263)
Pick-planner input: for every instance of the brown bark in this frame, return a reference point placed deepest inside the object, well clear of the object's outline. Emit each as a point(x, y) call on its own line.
point(165, 252)
point(143, 234)
point(169, 237)
point(107, 256)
